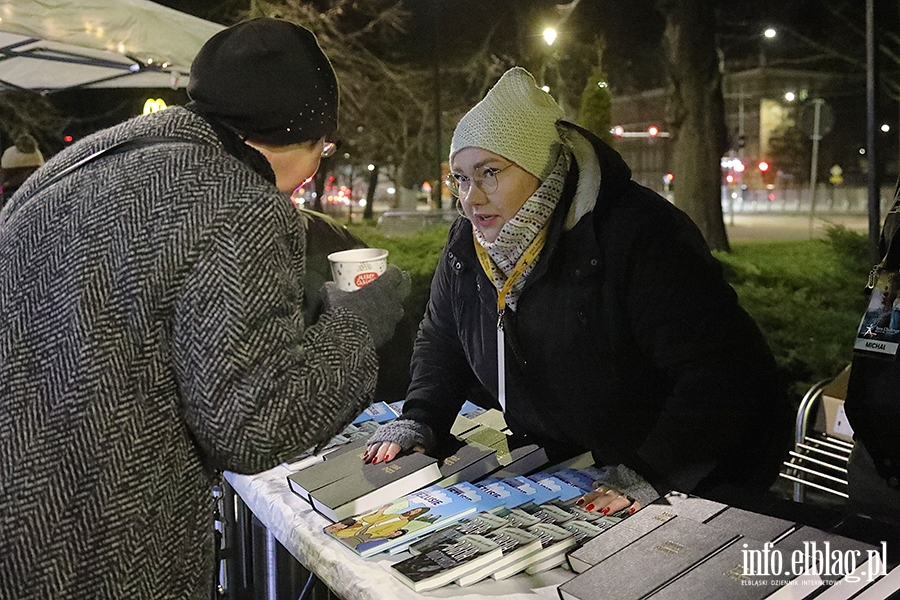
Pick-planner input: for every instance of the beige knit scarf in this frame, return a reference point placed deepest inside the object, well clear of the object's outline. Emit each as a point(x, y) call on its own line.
point(517, 234)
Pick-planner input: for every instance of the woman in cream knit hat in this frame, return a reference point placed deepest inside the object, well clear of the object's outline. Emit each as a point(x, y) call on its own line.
point(17, 163)
point(544, 305)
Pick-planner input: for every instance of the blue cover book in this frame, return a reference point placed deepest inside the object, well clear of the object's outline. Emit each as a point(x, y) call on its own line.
point(470, 407)
point(536, 493)
point(577, 477)
point(400, 521)
point(565, 491)
point(484, 498)
point(380, 412)
point(511, 496)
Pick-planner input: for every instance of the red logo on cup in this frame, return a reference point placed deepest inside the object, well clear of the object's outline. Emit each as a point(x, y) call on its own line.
point(365, 278)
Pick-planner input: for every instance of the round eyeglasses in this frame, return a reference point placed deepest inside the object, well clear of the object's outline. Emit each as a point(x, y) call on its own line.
point(485, 178)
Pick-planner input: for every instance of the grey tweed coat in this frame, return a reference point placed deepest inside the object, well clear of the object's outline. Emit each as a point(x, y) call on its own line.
point(151, 334)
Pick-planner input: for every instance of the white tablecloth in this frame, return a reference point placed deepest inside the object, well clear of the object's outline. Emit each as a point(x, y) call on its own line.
point(294, 523)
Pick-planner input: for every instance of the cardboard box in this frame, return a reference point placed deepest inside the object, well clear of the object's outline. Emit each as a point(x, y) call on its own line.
point(831, 417)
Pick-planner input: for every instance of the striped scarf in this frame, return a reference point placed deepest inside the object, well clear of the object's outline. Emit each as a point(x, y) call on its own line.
point(517, 234)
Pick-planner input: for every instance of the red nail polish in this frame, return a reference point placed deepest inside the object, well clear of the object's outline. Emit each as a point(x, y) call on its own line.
point(632, 510)
point(580, 502)
point(374, 460)
point(387, 457)
point(589, 507)
point(605, 511)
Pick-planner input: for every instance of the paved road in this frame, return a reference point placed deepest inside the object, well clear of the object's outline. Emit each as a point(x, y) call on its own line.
point(750, 227)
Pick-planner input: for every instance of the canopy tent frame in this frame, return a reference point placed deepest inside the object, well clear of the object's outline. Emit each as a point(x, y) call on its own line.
point(55, 45)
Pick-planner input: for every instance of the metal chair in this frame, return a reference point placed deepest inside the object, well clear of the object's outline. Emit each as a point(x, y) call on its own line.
point(818, 460)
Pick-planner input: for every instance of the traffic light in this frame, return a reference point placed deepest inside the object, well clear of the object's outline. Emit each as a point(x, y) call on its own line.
point(768, 173)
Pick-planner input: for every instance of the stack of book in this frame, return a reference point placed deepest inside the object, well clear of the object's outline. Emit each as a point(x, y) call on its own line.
point(401, 521)
point(339, 485)
point(361, 428)
point(687, 547)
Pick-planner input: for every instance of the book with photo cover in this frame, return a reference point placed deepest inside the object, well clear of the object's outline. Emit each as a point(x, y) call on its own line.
point(401, 521)
point(445, 563)
point(555, 540)
point(484, 500)
point(479, 524)
point(515, 544)
point(648, 563)
point(362, 486)
point(518, 517)
point(582, 530)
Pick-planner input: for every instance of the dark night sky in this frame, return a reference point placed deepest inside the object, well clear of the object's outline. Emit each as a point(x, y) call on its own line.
point(632, 30)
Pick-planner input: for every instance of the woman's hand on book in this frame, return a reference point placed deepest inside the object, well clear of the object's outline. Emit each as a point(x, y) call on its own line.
point(607, 500)
point(385, 451)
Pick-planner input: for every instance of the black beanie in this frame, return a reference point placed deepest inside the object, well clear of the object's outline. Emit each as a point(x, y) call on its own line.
point(268, 80)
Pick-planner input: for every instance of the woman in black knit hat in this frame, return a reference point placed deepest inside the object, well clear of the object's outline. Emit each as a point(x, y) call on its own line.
point(153, 328)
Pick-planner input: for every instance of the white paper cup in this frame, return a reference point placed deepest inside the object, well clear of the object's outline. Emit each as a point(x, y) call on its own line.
point(352, 269)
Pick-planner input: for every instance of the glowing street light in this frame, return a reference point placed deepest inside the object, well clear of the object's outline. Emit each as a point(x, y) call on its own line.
point(549, 36)
point(770, 32)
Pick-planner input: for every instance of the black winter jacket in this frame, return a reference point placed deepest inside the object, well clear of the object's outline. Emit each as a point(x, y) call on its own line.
point(626, 341)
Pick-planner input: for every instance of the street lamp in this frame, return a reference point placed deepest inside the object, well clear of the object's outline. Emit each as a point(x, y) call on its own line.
point(549, 36)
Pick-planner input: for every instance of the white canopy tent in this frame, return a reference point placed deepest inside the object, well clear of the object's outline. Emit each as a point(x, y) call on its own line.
point(53, 45)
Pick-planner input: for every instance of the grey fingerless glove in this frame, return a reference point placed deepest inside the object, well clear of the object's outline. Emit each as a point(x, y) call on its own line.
point(630, 484)
point(404, 432)
point(379, 304)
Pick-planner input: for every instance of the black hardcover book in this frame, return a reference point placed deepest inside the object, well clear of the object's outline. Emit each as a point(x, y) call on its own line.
point(750, 524)
point(319, 475)
point(722, 576)
point(619, 536)
point(445, 563)
point(642, 522)
point(461, 460)
point(692, 507)
point(648, 563)
point(822, 564)
point(366, 486)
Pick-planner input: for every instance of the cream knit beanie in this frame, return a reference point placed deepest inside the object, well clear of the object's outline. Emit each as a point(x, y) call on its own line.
point(517, 120)
point(25, 153)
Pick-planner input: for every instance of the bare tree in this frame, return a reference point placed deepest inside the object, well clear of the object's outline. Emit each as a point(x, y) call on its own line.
point(386, 113)
point(696, 114)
